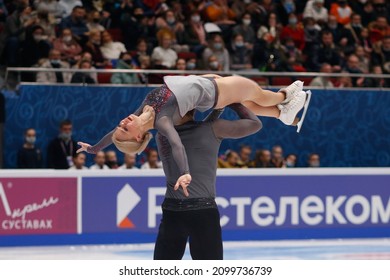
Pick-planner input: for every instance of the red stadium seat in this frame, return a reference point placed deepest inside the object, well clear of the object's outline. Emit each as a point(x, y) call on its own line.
point(116, 34)
point(281, 81)
point(186, 55)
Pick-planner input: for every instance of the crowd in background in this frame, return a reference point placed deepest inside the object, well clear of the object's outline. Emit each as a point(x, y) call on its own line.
point(62, 154)
point(214, 35)
point(260, 35)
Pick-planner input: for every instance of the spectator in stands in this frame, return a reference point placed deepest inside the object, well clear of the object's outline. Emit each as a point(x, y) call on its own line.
point(277, 159)
point(191, 64)
point(93, 47)
point(14, 34)
point(163, 55)
point(93, 21)
point(246, 30)
point(76, 22)
point(327, 52)
point(315, 9)
point(368, 14)
point(290, 161)
point(78, 162)
point(230, 161)
point(343, 81)
point(152, 161)
point(195, 35)
point(323, 81)
point(292, 56)
point(99, 160)
point(376, 82)
point(29, 156)
point(48, 23)
point(342, 36)
point(284, 9)
point(355, 28)
point(352, 66)
point(312, 40)
point(69, 5)
point(141, 49)
point(86, 56)
point(111, 159)
point(217, 48)
point(381, 54)
point(69, 48)
point(54, 62)
point(273, 27)
point(213, 64)
point(130, 160)
point(34, 48)
point(125, 62)
point(342, 11)
point(83, 77)
point(365, 41)
point(62, 148)
point(262, 159)
point(313, 160)
point(379, 29)
point(180, 64)
point(53, 7)
point(145, 63)
point(364, 59)
point(268, 55)
point(240, 53)
point(111, 50)
point(294, 30)
point(245, 156)
point(168, 21)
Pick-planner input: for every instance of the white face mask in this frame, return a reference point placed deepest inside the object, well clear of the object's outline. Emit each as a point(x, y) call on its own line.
point(195, 19)
point(246, 22)
point(67, 39)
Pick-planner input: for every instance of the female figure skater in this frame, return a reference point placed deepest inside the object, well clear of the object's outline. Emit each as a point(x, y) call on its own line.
point(165, 107)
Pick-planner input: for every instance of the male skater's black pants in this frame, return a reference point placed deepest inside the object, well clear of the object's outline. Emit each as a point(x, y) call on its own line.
point(200, 226)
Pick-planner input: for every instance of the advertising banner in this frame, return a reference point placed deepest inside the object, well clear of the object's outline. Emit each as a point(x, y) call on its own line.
point(267, 203)
point(38, 206)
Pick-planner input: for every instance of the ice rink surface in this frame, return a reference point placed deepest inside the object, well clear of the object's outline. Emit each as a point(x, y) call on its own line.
point(341, 249)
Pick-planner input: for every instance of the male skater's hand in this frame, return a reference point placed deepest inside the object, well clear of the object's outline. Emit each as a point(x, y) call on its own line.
point(183, 181)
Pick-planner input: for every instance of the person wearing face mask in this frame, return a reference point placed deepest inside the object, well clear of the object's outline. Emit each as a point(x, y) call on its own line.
point(76, 22)
point(34, 49)
point(69, 48)
point(93, 22)
point(61, 149)
point(29, 156)
point(195, 35)
point(68, 5)
point(217, 48)
point(125, 62)
point(246, 30)
point(191, 64)
point(294, 30)
point(52, 77)
point(240, 54)
point(290, 161)
point(284, 9)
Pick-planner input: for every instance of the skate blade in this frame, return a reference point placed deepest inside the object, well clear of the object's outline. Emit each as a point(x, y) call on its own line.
point(305, 107)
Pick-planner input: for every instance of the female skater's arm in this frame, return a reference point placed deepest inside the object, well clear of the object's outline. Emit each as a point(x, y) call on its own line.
point(104, 142)
point(165, 127)
point(248, 124)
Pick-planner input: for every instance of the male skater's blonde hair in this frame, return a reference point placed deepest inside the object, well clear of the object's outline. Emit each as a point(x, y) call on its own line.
point(132, 146)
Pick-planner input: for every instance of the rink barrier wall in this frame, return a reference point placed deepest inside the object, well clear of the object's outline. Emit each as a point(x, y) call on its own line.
point(54, 207)
point(346, 127)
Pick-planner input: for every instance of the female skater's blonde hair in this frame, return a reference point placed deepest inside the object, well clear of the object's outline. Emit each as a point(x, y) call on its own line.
point(132, 146)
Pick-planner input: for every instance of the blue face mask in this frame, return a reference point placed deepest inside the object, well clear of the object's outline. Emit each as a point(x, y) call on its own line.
point(292, 21)
point(239, 44)
point(190, 66)
point(30, 139)
point(65, 135)
point(217, 46)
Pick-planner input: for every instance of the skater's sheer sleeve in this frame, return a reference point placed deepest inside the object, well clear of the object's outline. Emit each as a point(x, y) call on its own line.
point(103, 143)
point(248, 124)
point(165, 127)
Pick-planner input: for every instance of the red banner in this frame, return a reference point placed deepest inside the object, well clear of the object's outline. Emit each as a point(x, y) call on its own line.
point(38, 205)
